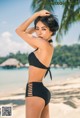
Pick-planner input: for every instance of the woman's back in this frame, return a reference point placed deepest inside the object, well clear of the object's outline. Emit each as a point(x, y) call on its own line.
point(39, 61)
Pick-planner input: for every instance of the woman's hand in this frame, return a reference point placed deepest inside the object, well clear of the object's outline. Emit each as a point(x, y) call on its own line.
point(43, 13)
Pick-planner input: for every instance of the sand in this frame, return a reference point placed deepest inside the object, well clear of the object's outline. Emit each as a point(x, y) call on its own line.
point(65, 100)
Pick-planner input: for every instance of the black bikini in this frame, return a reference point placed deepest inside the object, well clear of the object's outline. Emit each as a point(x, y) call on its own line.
point(34, 61)
point(37, 88)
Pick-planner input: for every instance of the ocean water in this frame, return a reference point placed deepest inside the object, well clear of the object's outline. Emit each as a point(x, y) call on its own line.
point(17, 78)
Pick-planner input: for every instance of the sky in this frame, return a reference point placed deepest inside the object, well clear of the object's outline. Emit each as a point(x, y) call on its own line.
point(15, 12)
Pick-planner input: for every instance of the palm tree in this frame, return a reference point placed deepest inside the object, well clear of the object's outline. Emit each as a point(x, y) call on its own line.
point(71, 13)
point(42, 4)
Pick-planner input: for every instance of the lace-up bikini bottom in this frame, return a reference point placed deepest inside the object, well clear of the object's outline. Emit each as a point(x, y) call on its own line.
point(39, 90)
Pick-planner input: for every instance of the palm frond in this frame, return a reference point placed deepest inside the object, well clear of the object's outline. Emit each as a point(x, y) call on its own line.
point(70, 16)
point(42, 4)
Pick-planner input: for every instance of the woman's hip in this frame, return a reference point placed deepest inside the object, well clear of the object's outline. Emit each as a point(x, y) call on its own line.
point(38, 89)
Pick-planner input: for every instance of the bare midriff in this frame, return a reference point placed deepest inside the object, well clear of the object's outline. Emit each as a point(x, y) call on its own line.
point(36, 74)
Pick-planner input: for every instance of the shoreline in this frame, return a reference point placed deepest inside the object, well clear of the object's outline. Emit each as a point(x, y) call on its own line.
point(65, 99)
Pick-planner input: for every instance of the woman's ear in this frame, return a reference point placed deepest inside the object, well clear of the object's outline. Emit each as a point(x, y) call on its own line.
point(52, 33)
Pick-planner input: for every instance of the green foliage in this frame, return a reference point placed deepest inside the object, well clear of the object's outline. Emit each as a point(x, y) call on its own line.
point(71, 15)
point(69, 55)
point(42, 4)
point(23, 58)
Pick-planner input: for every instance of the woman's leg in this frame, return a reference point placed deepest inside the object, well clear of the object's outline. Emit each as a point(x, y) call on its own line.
point(34, 107)
point(45, 112)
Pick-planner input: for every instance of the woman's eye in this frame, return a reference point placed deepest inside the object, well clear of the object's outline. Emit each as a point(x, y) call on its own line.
point(43, 29)
point(37, 29)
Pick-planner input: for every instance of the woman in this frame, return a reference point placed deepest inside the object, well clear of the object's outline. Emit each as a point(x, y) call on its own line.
point(37, 95)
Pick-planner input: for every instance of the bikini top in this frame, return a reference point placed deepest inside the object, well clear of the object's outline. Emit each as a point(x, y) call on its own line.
point(34, 61)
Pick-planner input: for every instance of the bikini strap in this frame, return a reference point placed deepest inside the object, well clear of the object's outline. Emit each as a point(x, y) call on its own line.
point(36, 49)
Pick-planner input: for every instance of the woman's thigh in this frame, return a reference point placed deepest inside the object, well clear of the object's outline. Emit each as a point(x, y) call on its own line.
point(34, 107)
point(45, 112)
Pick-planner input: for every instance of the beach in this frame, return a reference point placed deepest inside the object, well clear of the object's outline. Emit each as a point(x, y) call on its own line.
point(65, 99)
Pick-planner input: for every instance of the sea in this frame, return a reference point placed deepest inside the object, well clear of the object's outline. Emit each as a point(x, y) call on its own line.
point(14, 79)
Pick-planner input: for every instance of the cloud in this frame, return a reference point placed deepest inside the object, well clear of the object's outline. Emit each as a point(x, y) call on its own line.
point(8, 45)
point(4, 22)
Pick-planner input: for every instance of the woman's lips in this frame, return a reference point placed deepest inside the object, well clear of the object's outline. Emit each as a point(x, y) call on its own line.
point(40, 37)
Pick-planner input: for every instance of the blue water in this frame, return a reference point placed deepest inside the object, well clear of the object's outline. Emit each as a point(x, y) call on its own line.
point(17, 78)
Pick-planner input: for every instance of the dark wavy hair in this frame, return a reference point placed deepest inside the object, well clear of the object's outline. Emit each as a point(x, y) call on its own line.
point(50, 21)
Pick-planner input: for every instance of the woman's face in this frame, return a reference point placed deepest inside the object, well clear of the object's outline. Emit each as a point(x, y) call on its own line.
point(43, 31)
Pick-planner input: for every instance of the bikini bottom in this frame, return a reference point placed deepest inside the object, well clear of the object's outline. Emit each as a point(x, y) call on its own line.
point(38, 89)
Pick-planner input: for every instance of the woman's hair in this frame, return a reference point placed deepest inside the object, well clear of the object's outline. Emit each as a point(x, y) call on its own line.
point(50, 21)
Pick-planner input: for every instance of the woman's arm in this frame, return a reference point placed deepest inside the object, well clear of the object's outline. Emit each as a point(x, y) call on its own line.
point(25, 33)
point(30, 30)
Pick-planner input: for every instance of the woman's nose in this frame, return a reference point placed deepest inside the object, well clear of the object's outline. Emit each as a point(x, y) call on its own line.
point(40, 32)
